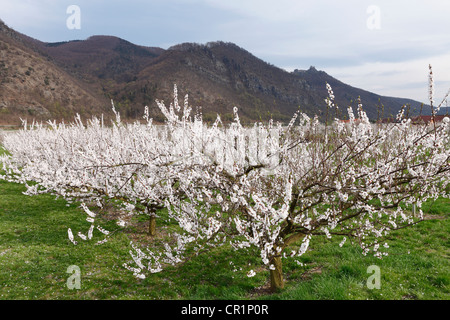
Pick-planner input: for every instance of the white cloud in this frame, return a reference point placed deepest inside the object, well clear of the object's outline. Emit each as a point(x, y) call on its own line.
point(407, 79)
point(265, 10)
point(29, 14)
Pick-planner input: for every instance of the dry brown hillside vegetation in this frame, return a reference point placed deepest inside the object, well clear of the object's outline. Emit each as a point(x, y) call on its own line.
point(33, 87)
point(57, 80)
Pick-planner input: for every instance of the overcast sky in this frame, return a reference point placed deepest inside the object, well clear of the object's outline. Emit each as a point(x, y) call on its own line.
point(378, 45)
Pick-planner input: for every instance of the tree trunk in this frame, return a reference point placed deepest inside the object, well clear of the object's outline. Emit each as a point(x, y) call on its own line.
point(152, 225)
point(276, 275)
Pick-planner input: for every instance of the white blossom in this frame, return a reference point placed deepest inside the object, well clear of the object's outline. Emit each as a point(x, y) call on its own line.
point(250, 187)
point(251, 274)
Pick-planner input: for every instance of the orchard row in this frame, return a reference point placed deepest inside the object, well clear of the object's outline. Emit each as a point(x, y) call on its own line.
point(269, 187)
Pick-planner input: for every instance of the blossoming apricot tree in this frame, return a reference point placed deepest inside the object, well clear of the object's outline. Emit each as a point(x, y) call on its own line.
point(268, 187)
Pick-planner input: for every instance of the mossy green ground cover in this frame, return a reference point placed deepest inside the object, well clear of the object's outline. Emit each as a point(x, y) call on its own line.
point(35, 253)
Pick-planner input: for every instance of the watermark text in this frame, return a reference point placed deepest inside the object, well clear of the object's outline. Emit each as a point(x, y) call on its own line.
point(74, 20)
point(74, 281)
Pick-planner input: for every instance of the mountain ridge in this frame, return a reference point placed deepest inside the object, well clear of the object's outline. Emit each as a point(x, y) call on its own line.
point(217, 76)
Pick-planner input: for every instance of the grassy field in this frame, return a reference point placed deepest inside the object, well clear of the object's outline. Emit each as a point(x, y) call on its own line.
point(35, 254)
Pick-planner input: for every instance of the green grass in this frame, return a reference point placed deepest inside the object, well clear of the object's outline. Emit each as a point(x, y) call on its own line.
point(35, 253)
